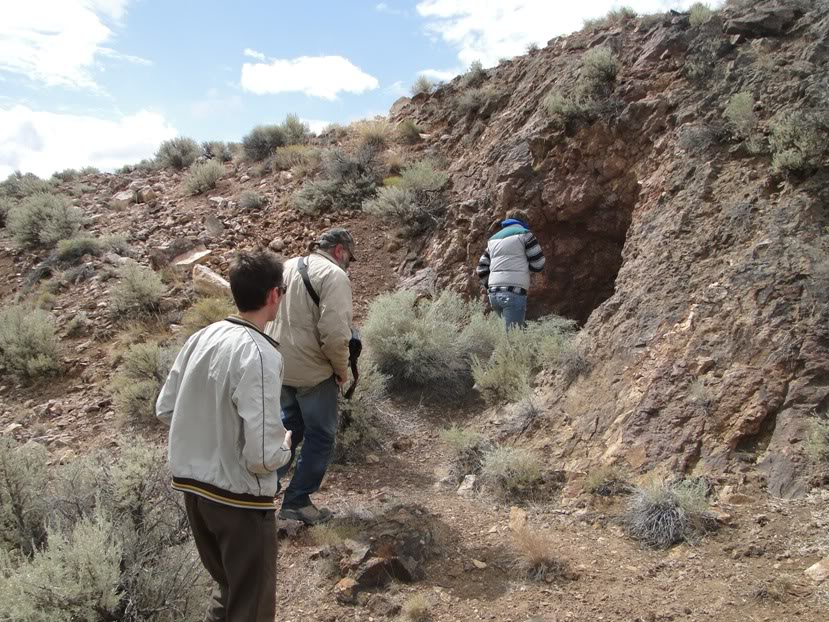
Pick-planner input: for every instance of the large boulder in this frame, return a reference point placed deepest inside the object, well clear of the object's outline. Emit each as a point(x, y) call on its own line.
point(208, 283)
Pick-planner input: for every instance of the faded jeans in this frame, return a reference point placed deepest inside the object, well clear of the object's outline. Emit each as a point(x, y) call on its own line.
point(311, 415)
point(510, 306)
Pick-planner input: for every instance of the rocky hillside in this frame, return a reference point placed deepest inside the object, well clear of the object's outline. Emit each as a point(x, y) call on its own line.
point(675, 230)
point(674, 170)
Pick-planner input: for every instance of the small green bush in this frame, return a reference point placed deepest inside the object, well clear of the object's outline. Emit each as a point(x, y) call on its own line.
point(474, 75)
point(90, 170)
point(251, 200)
point(177, 153)
point(414, 202)
point(739, 113)
point(262, 141)
point(117, 243)
point(28, 344)
point(137, 292)
point(23, 508)
point(67, 174)
point(138, 381)
point(510, 472)
point(5, 206)
point(408, 132)
point(423, 85)
point(475, 100)
point(817, 443)
point(72, 250)
point(660, 514)
point(203, 176)
point(799, 140)
point(204, 312)
point(700, 12)
point(505, 376)
point(20, 186)
point(362, 425)
point(216, 150)
point(43, 219)
point(297, 131)
point(599, 66)
point(613, 17)
point(346, 181)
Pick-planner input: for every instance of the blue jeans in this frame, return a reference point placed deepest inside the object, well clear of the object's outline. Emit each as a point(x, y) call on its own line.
point(512, 307)
point(311, 415)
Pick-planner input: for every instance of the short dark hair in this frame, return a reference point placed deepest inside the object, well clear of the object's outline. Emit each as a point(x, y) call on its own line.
point(252, 276)
point(518, 214)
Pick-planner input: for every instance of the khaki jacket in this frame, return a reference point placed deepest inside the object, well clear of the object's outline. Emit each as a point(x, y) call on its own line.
point(313, 340)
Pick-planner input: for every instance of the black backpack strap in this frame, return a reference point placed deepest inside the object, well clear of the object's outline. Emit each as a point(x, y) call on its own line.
point(302, 266)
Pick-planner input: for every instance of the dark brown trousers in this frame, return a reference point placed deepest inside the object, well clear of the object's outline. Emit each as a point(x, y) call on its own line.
point(238, 549)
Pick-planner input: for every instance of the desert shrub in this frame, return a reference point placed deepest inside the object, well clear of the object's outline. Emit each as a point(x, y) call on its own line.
point(177, 153)
point(416, 609)
point(204, 312)
point(118, 549)
point(532, 47)
point(408, 131)
point(216, 150)
point(251, 200)
point(362, 426)
point(136, 385)
point(799, 140)
point(5, 205)
point(505, 376)
point(613, 17)
point(78, 325)
point(67, 174)
point(590, 98)
point(510, 472)
point(138, 291)
point(117, 243)
point(297, 131)
point(28, 345)
point(290, 156)
point(535, 556)
point(474, 75)
point(23, 508)
point(605, 481)
point(660, 514)
point(699, 14)
point(599, 67)
point(475, 100)
point(468, 449)
point(346, 181)
point(739, 113)
point(203, 176)
point(395, 161)
point(20, 186)
point(72, 250)
point(262, 141)
point(423, 85)
point(43, 219)
point(90, 170)
point(415, 201)
point(817, 443)
point(374, 134)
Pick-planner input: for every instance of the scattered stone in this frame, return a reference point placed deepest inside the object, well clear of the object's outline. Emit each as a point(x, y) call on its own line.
point(764, 22)
point(479, 564)
point(208, 283)
point(217, 202)
point(191, 258)
point(818, 572)
point(372, 459)
point(244, 178)
point(12, 427)
point(346, 591)
point(114, 259)
point(517, 519)
point(277, 245)
point(146, 195)
point(213, 226)
point(288, 528)
point(467, 487)
point(122, 200)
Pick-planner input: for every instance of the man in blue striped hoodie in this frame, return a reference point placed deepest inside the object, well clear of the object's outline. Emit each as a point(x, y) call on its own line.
point(504, 268)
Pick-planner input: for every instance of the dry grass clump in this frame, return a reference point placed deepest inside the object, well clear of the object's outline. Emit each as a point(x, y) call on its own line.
point(476, 100)
point(613, 17)
point(333, 532)
point(606, 481)
point(408, 131)
point(177, 153)
point(204, 312)
point(375, 133)
point(203, 176)
point(536, 556)
point(661, 514)
point(423, 85)
point(291, 156)
point(510, 472)
point(699, 14)
point(468, 449)
point(251, 200)
point(362, 424)
point(416, 609)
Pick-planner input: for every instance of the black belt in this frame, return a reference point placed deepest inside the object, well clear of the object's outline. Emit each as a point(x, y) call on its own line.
point(508, 288)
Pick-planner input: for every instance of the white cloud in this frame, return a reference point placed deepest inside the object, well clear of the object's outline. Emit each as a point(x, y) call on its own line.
point(316, 125)
point(439, 74)
point(45, 142)
point(215, 104)
point(398, 89)
point(487, 30)
point(382, 7)
point(57, 42)
point(254, 54)
point(317, 76)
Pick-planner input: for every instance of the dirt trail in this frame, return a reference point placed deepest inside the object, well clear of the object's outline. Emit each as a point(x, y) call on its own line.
point(765, 544)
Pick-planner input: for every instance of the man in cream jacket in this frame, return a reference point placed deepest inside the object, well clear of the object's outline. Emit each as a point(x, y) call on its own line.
point(313, 339)
point(221, 401)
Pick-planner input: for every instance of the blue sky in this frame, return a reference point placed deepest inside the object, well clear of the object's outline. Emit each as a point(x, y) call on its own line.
point(103, 82)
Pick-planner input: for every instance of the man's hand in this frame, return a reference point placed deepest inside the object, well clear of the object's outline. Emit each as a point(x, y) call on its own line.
point(340, 380)
point(287, 442)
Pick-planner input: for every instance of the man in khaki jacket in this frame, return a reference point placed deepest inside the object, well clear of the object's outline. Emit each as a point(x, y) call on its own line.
point(313, 340)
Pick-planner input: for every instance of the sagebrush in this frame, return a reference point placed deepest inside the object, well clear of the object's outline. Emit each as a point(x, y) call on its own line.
point(43, 219)
point(204, 312)
point(137, 292)
point(362, 425)
point(203, 176)
point(177, 153)
point(423, 85)
point(415, 201)
point(136, 385)
point(251, 200)
point(262, 141)
point(28, 343)
point(511, 472)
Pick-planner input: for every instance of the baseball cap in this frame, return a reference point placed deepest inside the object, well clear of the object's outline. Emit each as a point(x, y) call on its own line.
point(338, 235)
